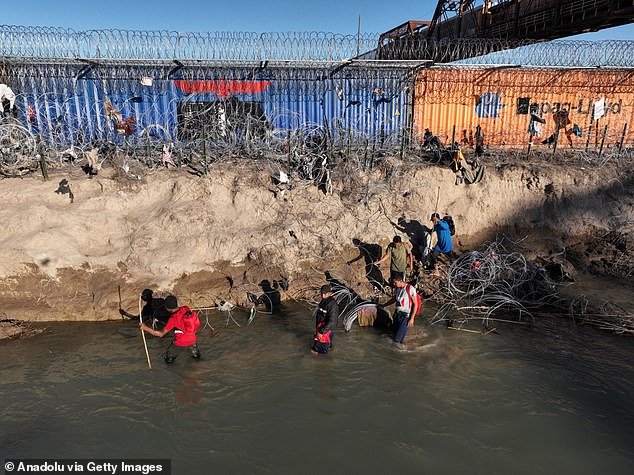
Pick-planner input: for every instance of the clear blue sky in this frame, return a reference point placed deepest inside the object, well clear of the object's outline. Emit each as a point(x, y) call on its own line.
point(339, 16)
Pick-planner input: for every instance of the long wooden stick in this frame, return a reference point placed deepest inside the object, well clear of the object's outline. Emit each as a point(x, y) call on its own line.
point(463, 330)
point(119, 290)
point(437, 199)
point(149, 363)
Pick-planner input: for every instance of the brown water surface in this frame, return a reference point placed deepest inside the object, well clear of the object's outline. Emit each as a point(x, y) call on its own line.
point(525, 400)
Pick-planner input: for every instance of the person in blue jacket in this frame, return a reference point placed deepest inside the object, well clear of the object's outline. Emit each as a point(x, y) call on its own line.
point(444, 244)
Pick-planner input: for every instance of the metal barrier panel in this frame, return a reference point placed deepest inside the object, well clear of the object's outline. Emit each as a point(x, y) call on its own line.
point(501, 101)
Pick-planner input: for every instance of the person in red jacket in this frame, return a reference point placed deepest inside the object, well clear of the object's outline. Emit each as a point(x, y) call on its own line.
point(185, 324)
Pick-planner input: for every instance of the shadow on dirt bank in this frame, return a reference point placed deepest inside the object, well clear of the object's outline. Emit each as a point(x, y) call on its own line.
point(593, 230)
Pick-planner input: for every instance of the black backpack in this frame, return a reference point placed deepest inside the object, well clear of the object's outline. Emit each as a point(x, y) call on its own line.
point(452, 226)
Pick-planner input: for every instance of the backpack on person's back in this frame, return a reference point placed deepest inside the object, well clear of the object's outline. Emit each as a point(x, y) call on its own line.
point(452, 227)
point(418, 298)
point(191, 322)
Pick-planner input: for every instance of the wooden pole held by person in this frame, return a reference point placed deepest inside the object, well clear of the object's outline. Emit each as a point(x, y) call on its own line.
point(119, 290)
point(147, 354)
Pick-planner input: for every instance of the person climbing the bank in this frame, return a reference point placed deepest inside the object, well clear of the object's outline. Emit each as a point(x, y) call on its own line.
point(444, 244)
point(401, 259)
point(407, 306)
point(185, 324)
point(325, 321)
point(271, 298)
point(154, 310)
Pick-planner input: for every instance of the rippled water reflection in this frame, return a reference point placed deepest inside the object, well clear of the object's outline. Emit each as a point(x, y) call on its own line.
point(525, 400)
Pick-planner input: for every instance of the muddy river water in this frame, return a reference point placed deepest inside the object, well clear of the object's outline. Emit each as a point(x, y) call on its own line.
point(547, 399)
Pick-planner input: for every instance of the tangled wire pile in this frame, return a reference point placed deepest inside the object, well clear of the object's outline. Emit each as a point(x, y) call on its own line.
point(496, 285)
point(480, 284)
point(607, 316)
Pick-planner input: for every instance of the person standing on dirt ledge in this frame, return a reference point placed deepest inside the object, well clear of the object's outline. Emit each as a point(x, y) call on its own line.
point(185, 324)
point(153, 310)
point(406, 308)
point(325, 321)
point(444, 244)
point(400, 259)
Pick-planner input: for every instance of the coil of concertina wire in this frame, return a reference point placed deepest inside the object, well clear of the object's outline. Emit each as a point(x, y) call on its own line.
point(49, 42)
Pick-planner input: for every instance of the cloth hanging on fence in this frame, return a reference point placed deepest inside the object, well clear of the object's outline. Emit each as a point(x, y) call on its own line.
point(111, 112)
point(535, 128)
point(6, 94)
point(167, 157)
point(536, 118)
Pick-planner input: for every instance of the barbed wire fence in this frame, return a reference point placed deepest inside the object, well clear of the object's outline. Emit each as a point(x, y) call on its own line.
point(479, 51)
point(308, 102)
point(46, 42)
point(50, 42)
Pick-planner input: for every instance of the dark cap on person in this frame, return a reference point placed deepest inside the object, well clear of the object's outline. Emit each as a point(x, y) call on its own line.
point(146, 295)
point(171, 302)
point(396, 239)
point(325, 289)
point(434, 215)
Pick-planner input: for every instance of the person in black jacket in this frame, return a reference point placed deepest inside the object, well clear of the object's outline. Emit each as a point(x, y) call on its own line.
point(153, 311)
point(325, 321)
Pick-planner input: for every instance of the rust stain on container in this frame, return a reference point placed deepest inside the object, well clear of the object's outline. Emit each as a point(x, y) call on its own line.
point(501, 102)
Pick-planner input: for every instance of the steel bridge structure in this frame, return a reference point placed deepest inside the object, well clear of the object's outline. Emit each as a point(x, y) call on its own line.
point(512, 21)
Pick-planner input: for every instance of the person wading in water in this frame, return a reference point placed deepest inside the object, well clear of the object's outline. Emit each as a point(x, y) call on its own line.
point(325, 321)
point(407, 307)
point(154, 310)
point(185, 324)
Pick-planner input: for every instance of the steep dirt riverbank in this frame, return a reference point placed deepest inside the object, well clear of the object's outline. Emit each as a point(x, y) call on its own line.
point(216, 237)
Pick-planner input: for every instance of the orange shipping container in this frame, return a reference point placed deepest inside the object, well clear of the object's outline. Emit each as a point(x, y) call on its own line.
point(501, 101)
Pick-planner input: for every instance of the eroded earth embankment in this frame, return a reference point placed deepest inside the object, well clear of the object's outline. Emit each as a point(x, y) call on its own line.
point(217, 237)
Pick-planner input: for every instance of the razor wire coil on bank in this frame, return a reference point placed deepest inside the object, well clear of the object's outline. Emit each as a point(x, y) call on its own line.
point(494, 284)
